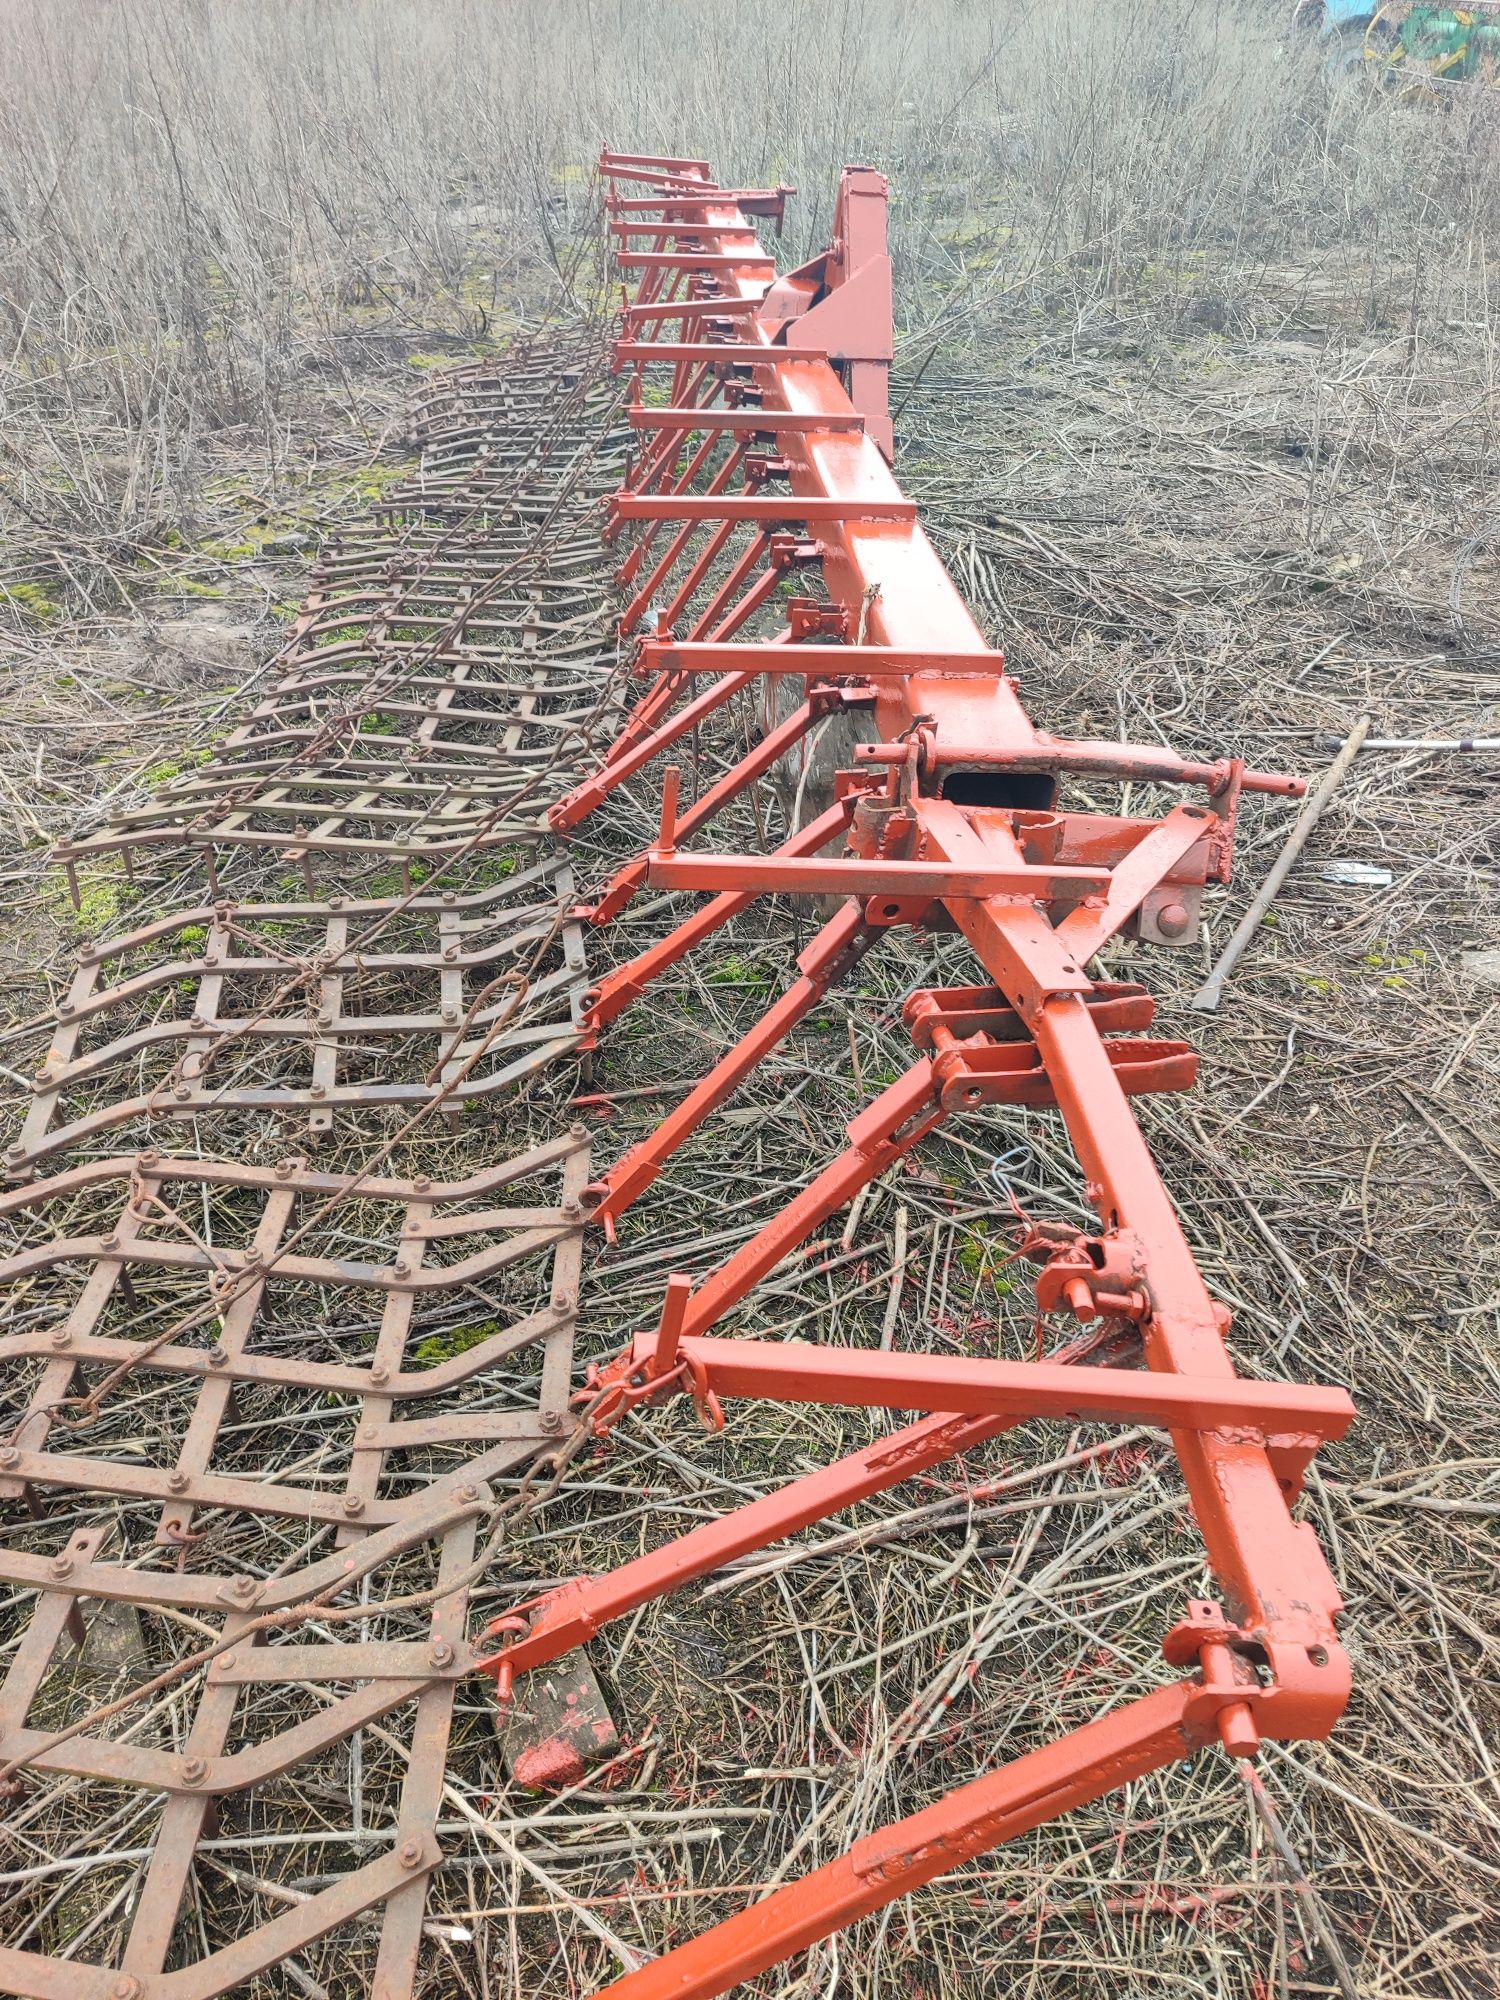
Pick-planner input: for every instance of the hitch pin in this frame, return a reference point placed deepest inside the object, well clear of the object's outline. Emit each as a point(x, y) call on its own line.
point(1235, 1720)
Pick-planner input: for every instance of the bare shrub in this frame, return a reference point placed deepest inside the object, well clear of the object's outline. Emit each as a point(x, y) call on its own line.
point(193, 201)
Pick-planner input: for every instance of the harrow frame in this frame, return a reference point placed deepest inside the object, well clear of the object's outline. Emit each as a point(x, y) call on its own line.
point(950, 820)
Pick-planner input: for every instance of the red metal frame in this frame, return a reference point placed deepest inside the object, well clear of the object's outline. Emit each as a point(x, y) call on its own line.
point(952, 820)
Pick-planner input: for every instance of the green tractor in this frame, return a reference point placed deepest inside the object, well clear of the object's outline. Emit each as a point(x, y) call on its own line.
point(1407, 41)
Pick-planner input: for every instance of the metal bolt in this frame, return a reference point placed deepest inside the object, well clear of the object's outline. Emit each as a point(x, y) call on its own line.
point(226, 1661)
point(401, 1268)
point(245, 1588)
point(353, 1504)
point(177, 1480)
point(450, 1013)
point(318, 1090)
point(109, 1242)
point(194, 1770)
point(8, 1454)
point(61, 1565)
point(218, 1357)
point(411, 1853)
point(469, 1492)
point(572, 1209)
point(422, 1183)
point(182, 1093)
point(149, 1158)
point(578, 1130)
point(442, 1652)
point(59, 1336)
point(1172, 919)
point(126, 1989)
point(552, 1422)
point(380, 1373)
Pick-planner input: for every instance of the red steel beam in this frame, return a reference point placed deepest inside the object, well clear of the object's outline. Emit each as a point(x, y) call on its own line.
point(645, 417)
point(667, 869)
point(733, 352)
point(757, 507)
point(857, 1378)
point(1158, 1730)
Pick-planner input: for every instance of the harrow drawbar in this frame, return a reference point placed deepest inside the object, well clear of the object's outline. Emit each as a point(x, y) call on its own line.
point(387, 926)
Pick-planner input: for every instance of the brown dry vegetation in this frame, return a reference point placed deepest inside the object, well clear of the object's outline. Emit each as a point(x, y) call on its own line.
point(1198, 382)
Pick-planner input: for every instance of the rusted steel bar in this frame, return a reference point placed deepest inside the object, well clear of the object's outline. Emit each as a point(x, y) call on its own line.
point(1206, 999)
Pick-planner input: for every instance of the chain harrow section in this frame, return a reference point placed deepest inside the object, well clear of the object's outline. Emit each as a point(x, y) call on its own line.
point(446, 661)
point(276, 1009)
point(260, 1597)
point(174, 1231)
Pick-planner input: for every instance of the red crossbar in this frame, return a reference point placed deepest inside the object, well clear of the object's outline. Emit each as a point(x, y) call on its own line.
point(756, 507)
point(791, 1372)
point(644, 352)
point(643, 417)
point(688, 260)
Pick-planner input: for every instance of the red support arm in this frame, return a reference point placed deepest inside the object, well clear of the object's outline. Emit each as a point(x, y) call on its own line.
point(1092, 1761)
point(615, 992)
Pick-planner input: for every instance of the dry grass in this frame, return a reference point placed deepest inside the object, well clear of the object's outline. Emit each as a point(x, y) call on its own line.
point(1198, 382)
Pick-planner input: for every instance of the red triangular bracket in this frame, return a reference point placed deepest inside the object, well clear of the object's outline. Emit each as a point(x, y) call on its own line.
point(840, 303)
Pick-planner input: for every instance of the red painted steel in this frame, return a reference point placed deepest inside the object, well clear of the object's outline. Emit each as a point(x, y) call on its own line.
point(954, 818)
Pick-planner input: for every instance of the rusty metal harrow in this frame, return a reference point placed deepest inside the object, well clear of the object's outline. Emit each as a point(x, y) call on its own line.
point(447, 656)
point(412, 1331)
point(428, 1009)
point(449, 692)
